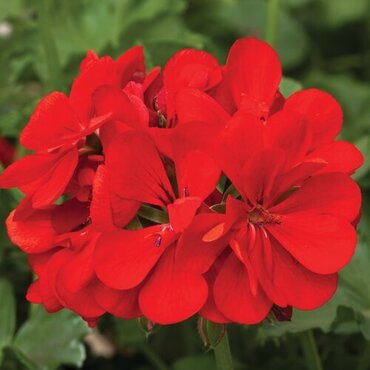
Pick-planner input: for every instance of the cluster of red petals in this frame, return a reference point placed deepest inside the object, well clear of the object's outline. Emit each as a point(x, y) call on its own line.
point(199, 189)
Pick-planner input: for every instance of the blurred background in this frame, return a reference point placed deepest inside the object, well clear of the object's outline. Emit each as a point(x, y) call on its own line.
point(322, 43)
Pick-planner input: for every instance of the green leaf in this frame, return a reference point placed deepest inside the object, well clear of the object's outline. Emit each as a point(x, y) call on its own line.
point(321, 318)
point(50, 340)
point(129, 333)
point(13, 359)
point(10, 8)
point(338, 12)
point(7, 313)
point(288, 86)
point(204, 362)
point(354, 288)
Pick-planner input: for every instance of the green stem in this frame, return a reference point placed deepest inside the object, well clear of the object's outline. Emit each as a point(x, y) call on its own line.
point(153, 357)
point(271, 21)
point(311, 353)
point(223, 355)
point(49, 45)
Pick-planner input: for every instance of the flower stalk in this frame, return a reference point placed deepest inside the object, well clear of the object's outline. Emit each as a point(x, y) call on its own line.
point(311, 353)
point(271, 21)
point(223, 354)
point(49, 45)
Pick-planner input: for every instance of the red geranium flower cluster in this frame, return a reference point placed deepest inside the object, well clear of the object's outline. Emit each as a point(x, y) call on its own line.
point(199, 189)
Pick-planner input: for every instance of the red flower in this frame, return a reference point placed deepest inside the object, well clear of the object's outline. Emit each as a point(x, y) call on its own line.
point(148, 255)
point(290, 231)
point(188, 68)
point(251, 80)
point(138, 162)
point(58, 145)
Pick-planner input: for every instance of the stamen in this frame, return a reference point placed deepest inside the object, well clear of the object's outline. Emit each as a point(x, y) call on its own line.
point(158, 241)
point(186, 191)
point(260, 216)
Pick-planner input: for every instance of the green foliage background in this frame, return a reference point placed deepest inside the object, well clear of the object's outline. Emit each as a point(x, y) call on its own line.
point(322, 43)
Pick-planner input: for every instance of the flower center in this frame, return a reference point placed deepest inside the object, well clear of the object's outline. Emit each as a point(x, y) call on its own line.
point(261, 216)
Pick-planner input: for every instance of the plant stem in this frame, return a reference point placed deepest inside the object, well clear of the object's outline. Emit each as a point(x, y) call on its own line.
point(311, 353)
point(223, 355)
point(271, 21)
point(49, 45)
point(153, 357)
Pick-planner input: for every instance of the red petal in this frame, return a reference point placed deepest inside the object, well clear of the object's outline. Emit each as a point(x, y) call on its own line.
point(195, 254)
point(233, 296)
point(242, 138)
point(287, 131)
point(172, 294)
point(319, 196)
point(124, 258)
point(322, 112)
point(259, 173)
point(89, 60)
point(340, 156)
point(81, 301)
point(56, 181)
point(120, 303)
point(110, 99)
point(293, 178)
point(321, 243)
point(300, 287)
point(108, 211)
point(254, 74)
point(131, 66)
point(138, 170)
point(101, 72)
point(33, 293)
point(189, 68)
point(210, 311)
point(34, 234)
point(77, 270)
point(69, 215)
point(196, 106)
point(52, 124)
point(197, 173)
point(182, 212)
point(45, 295)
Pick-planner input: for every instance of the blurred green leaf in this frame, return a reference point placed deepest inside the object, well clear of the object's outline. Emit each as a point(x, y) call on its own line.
point(129, 333)
point(78, 25)
point(7, 313)
point(205, 362)
point(288, 86)
point(10, 9)
point(13, 359)
point(338, 12)
point(50, 340)
point(321, 318)
point(354, 288)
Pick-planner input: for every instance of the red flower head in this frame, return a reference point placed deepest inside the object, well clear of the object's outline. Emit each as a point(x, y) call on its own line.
point(59, 126)
point(289, 231)
point(146, 225)
point(148, 255)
